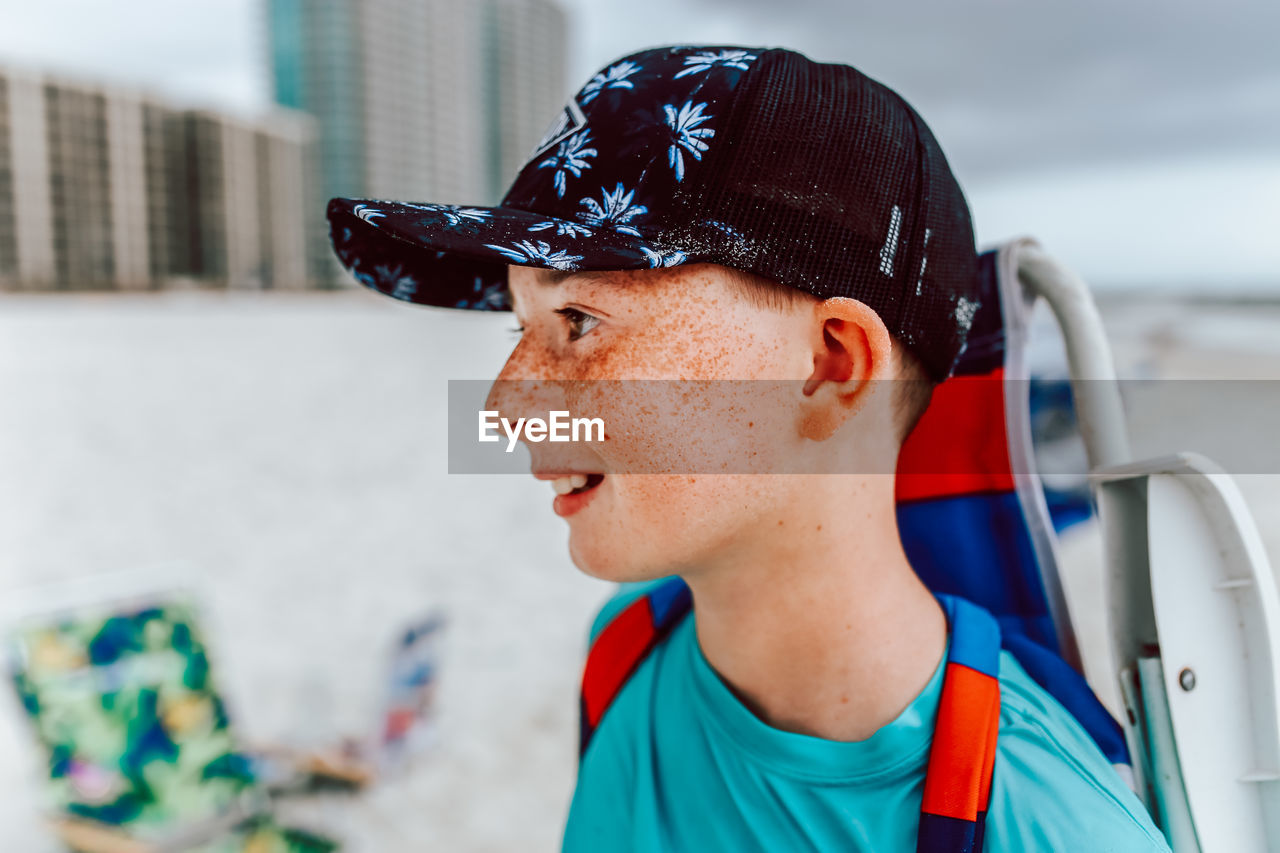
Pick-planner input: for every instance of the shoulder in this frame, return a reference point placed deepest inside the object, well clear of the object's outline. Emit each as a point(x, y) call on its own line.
point(1053, 788)
point(624, 595)
point(619, 676)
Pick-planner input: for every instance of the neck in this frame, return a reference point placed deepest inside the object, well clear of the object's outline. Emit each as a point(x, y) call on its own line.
point(822, 627)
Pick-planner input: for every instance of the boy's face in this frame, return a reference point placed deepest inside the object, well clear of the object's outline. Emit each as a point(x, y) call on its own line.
point(683, 323)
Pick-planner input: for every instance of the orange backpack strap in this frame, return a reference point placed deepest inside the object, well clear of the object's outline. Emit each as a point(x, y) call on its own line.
point(957, 784)
point(622, 645)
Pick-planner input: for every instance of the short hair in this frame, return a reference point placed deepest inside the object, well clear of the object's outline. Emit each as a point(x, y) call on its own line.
point(913, 387)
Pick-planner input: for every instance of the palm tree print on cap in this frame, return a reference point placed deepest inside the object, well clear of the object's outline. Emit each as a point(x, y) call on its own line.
point(614, 210)
point(602, 183)
point(686, 135)
point(570, 157)
point(453, 214)
point(485, 296)
point(663, 257)
point(702, 62)
point(613, 77)
point(536, 250)
point(367, 213)
point(563, 229)
point(404, 286)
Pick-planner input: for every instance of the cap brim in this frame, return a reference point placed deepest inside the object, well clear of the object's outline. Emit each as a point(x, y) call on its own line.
point(456, 257)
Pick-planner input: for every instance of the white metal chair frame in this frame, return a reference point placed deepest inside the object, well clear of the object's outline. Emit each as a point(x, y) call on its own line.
point(1192, 605)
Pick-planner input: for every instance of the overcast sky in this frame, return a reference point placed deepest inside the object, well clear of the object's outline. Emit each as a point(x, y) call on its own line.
point(1138, 140)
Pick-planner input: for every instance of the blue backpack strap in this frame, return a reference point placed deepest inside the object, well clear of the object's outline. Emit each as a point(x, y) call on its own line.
point(622, 645)
point(957, 785)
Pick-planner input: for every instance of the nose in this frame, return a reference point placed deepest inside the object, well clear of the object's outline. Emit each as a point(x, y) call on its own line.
point(525, 386)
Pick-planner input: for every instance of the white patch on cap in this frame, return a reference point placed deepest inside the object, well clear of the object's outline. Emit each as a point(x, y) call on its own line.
point(890, 247)
point(924, 259)
point(570, 120)
point(965, 309)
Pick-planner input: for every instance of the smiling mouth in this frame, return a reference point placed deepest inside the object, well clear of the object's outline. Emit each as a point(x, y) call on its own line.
point(576, 484)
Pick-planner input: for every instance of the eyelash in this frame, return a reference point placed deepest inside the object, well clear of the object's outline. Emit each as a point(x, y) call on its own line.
point(570, 314)
point(573, 315)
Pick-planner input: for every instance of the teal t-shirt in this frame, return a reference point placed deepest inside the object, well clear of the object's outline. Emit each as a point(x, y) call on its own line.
point(679, 763)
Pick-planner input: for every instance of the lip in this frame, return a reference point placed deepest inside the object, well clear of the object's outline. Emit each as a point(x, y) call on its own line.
point(567, 505)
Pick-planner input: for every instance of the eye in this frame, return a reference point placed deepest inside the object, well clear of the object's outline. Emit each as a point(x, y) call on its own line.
point(580, 322)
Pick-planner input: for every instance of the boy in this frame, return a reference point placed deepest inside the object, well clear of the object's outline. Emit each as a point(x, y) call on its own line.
point(723, 213)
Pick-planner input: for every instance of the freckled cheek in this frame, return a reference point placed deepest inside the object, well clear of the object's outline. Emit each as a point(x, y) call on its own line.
point(635, 427)
point(682, 426)
point(667, 505)
point(691, 513)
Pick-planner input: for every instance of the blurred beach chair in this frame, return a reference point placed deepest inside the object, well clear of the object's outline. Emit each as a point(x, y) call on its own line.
point(972, 510)
point(408, 729)
point(404, 732)
point(1194, 636)
point(141, 754)
point(1192, 605)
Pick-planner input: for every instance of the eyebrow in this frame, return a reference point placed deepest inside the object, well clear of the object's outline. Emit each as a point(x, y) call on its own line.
point(550, 278)
point(557, 276)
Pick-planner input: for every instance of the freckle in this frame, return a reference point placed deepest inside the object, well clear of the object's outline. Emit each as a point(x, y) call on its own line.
point(819, 526)
point(844, 700)
point(779, 523)
point(751, 423)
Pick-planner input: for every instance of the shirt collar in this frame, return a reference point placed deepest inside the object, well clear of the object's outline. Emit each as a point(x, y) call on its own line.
point(900, 748)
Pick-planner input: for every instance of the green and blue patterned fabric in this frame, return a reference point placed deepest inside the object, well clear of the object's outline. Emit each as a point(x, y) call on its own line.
point(136, 735)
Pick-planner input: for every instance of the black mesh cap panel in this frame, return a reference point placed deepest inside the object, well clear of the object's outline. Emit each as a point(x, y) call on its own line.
point(827, 181)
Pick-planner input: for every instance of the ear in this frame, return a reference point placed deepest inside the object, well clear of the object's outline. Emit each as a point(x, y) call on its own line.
point(852, 349)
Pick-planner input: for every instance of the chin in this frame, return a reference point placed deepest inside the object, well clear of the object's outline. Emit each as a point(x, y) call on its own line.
point(615, 561)
point(649, 527)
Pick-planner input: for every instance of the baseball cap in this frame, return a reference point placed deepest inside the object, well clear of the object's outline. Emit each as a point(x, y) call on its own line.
point(810, 174)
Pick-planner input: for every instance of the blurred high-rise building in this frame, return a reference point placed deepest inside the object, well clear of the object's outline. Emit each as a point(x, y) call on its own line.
point(438, 100)
point(528, 41)
point(109, 188)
